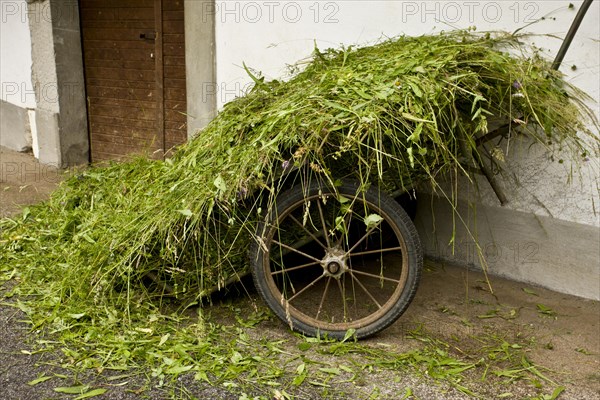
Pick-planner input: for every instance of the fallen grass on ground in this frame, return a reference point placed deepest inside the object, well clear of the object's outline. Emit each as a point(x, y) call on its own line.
point(96, 266)
point(232, 354)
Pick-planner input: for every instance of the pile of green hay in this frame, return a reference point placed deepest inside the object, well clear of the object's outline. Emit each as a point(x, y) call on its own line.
point(113, 239)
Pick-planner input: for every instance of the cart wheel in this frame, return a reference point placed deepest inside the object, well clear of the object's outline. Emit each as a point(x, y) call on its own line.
point(327, 261)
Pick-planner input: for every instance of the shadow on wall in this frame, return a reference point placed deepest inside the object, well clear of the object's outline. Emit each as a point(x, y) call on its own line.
point(549, 252)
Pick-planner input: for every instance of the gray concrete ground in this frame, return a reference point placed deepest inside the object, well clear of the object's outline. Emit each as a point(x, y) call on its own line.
point(453, 304)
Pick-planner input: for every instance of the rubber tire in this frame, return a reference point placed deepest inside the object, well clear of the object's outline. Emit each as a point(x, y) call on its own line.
point(396, 215)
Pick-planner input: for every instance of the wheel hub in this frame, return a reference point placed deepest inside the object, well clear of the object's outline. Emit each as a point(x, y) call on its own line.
point(334, 263)
point(333, 267)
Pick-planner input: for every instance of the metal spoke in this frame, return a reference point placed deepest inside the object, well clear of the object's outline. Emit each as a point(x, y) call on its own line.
point(298, 244)
point(295, 268)
point(365, 289)
point(323, 223)
point(323, 298)
point(285, 246)
point(343, 299)
point(354, 271)
point(364, 253)
point(366, 235)
point(315, 238)
point(307, 287)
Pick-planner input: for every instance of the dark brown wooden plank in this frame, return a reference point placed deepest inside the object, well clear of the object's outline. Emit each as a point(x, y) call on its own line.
point(122, 152)
point(142, 106)
point(173, 38)
point(175, 135)
point(122, 93)
point(174, 49)
point(123, 112)
point(123, 13)
point(172, 5)
point(124, 131)
point(175, 115)
point(119, 54)
point(135, 65)
point(133, 139)
point(111, 121)
point(176, 83)
point(86, 4)
point(173, 71)
point(174, 144)
point(135, 43)
point(175, 61)
point(175, 94)
point(119, 74)
point(112, 34)
point(176, 15)
point(176, 125)
point(99, 26)
point(173, 27)
point(88, 14)
point(176, 105)
point(121, 84)
point(122, 145)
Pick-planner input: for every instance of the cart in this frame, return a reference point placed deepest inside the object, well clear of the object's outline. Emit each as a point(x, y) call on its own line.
point(342, 259)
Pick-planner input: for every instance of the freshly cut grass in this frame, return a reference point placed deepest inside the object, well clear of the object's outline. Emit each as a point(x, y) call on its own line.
point(111, 240)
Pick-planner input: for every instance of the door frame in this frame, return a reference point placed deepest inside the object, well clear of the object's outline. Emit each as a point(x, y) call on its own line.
point(68, 136)
point(200, 63)
point(57, 61)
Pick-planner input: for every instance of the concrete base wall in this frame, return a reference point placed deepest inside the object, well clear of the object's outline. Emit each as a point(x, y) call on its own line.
point(545, 251)
point(15, 132)
point(49, 151)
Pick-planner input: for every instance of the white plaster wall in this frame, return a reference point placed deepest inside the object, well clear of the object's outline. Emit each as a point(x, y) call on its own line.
point(15, 54)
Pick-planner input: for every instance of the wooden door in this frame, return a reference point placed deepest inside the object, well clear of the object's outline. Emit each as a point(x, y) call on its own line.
point(134, 63)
